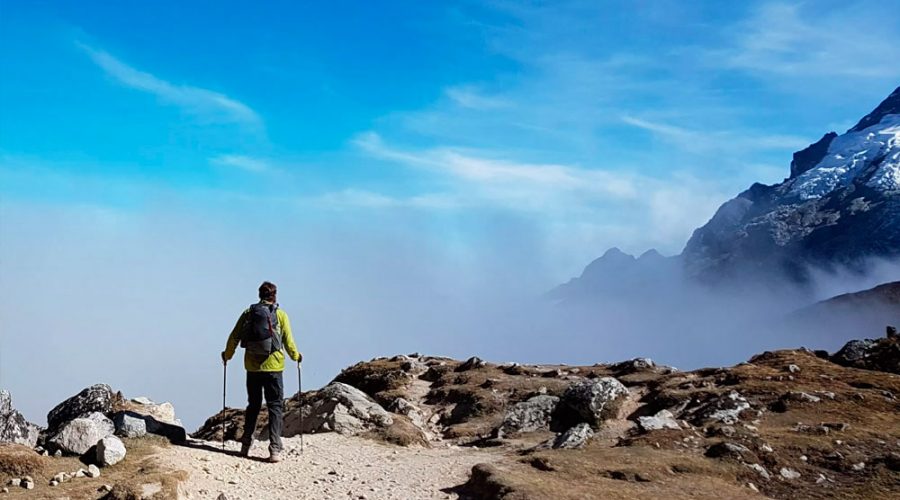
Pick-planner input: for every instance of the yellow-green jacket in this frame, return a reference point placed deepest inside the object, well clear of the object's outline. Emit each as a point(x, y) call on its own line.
point(275, 361)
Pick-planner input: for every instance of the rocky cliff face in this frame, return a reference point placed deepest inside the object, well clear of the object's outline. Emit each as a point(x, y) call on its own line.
point(840, 207)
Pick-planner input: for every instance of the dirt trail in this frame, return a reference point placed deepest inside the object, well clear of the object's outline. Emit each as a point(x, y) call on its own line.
point(331, 466)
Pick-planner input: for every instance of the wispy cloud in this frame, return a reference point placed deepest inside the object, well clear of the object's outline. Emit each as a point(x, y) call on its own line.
point(470, 97)
point(805, 40)
point(203, 103)
point(712, 140)
point(503, 176)
point(360, 198)
point(246, 163)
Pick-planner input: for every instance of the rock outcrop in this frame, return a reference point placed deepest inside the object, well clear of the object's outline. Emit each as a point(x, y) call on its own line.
point(339, 408)
point(79, 435)
point(98, 398)
point(531, 415)
point(872, 354)
point(594, 400)
point(13, 426)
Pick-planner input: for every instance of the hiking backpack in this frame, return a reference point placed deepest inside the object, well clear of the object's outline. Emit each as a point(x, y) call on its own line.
point(261, 332)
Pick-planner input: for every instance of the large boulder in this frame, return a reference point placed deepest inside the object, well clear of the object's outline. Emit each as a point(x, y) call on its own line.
point(340, 408)
point(13, 426)
point(141, 416)
point(662, 420)
point(869, 354)
point(96, 398)
point(724, 408)
point(79, 435)
point(110, 451)
point(594, 401)
point(529, 416)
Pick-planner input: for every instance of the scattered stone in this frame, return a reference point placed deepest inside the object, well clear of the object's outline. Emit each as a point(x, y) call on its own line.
point(726, 449)
point(105, 488)
point(15, 482)
point(760, 470)
point(789, 474)
point(4, 490)
point(859, 466)
point(110, 451)
point(662, 420)
point(793, 368)
point(57, 453)
point(81, 473)
point(531, 415)
point(821, 479)
point(93, 471)
point(766, 448)
point(471, 364)
point(79, 435)
point(54, 482)
point(576, 437)
point(753, 487)
point(594, 400)
point(725, 408)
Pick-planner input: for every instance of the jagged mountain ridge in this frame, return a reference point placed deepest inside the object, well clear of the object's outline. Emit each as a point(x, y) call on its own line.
point(840, 207)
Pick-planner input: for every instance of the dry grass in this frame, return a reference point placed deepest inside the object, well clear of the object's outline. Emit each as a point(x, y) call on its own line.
point(128, 476)
point(17, 460)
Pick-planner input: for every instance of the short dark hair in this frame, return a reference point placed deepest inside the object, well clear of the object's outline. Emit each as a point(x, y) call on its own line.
point(267, 291)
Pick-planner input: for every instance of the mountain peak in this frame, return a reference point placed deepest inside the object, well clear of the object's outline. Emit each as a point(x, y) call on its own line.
point(889, 106)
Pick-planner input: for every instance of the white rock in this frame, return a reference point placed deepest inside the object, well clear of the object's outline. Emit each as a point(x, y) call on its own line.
point(662, 420)
point(789, 474)
point(81, 434)
point(110, 451)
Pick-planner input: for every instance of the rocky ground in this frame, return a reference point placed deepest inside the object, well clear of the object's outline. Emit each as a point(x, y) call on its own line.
point(785, 424)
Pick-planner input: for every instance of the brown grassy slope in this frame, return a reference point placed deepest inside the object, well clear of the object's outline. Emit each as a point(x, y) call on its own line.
point(672, 464)
point(138, 468)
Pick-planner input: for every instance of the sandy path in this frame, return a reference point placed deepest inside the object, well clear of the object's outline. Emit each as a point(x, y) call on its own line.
point(331, 466)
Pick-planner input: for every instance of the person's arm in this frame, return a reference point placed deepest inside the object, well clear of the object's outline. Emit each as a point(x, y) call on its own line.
point(288, 337)
point(233, 339)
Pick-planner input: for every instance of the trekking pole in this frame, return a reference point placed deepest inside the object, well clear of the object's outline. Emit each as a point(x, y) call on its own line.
point(300, 393)
point(224, 382)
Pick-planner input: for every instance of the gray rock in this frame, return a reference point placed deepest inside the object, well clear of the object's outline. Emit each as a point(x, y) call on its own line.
point(471, 363)
point(594, 400)
point(143, 400)
point(129, 425)
point(759, 470)
point(881, 354)
point(96, 398)
point(662, 420)
point(93, 471)
point(110, 451)
point(79, 435)
point(726, 408)
point(789, 474)
point(575, 437)
point(728, 450)
point(340, 408)
point(13, 426)
point(531, 415)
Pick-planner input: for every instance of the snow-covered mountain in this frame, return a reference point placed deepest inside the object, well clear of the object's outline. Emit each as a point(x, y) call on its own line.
point(840, 207)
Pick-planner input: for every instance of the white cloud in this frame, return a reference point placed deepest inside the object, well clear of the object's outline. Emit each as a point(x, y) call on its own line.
point(205, 104)
point(469, 97)
point(246, 163)
point(808, 41)
point(360, 198)
point(717, 140)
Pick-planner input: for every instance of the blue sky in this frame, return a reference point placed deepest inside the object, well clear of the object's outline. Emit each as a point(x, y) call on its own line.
point(438, 147)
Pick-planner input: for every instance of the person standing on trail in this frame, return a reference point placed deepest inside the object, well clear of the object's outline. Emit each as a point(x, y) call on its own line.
point(264, 331)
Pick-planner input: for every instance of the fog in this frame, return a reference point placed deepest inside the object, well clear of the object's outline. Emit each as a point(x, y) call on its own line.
point(145, 302)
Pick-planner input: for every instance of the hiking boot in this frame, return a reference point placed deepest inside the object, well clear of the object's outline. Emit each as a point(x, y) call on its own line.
point(274, 457)
point(245, 450)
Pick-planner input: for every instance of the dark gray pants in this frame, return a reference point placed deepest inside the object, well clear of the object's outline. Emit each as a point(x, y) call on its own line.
point(272, 385)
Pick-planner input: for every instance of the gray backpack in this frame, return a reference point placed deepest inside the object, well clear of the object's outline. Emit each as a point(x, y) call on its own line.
point(260, 333)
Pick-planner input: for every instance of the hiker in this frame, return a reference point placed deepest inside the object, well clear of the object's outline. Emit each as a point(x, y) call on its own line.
point(263, 330)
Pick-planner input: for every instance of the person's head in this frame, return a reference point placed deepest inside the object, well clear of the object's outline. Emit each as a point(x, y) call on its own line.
point(267, 291)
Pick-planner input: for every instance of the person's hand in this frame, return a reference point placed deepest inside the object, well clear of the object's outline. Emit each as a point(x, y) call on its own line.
point(224, 358)
point(299, 357)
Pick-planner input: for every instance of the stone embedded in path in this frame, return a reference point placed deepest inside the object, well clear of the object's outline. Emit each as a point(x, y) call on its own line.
point(110, 451)
point(531, 415)
point(594, 400)
point(13, 426)
point(79, 435)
